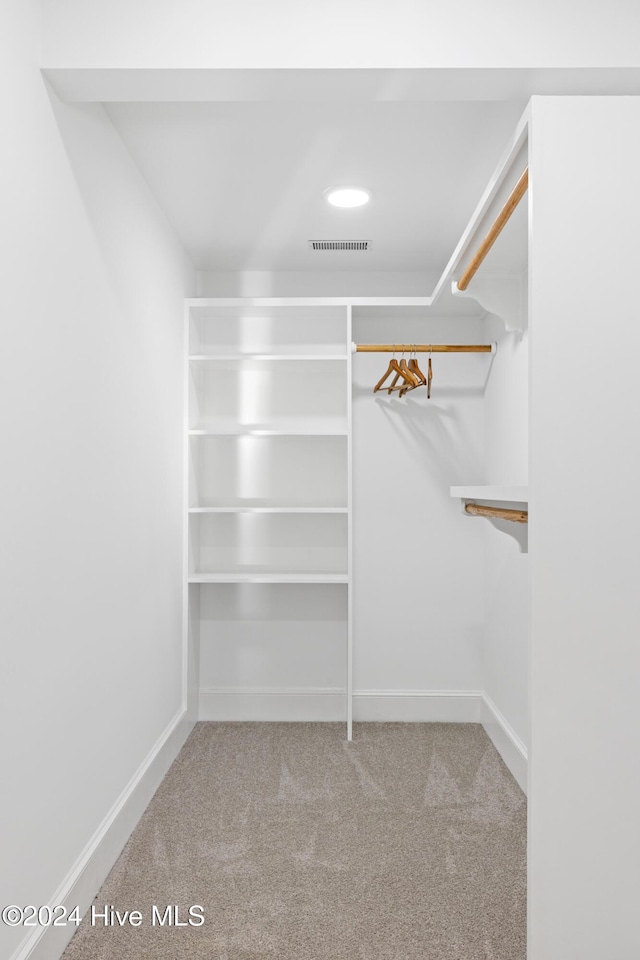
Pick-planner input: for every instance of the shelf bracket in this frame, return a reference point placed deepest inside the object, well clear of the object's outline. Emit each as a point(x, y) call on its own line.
point(510, 520)
point(501, 297)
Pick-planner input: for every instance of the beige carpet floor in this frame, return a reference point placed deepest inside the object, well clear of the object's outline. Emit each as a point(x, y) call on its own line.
point(406, 844)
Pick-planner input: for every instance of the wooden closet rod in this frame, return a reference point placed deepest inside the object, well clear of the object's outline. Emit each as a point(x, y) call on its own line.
point(502, 513)
point(515, 197)
point(424, 348)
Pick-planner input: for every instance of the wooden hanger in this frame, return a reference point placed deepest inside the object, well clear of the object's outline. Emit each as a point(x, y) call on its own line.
point(415, 369)
point(420, 377)
point(412, 374)
point(394, 367)
point(411, 380)
point(409, 372)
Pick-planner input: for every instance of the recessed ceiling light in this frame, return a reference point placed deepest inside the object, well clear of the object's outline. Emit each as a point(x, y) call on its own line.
point(347, 196)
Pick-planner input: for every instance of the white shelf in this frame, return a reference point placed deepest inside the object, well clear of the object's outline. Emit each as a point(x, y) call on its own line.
point(305, 428)
point(215, 357)
point(268, 578)
point(249, 509)
point(494, 492)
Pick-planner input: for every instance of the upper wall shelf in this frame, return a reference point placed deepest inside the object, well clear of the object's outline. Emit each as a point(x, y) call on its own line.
point(501, 287)
point(206, 358)
point(495, 492)
point(501, 290)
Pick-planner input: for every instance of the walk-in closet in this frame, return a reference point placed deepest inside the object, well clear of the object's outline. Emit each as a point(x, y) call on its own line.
point(334, 569)
point(319, 611)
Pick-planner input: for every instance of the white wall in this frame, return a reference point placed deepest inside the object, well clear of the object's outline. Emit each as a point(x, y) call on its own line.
point(584, 843)
point(90, 410)
point(252, 33)
point(505, 652)
point(417, 559)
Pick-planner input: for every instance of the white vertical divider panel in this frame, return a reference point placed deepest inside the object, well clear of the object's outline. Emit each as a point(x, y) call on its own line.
point(190, 592)
point(186, 665)
point(584, 788)
point(349, 690)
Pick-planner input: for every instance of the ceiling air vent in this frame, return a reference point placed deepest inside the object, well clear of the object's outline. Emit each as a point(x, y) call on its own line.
point(339, 244)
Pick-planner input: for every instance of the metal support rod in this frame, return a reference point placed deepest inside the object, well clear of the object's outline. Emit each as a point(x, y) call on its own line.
point(501, 513)
point(515, 197)
point(424, 348)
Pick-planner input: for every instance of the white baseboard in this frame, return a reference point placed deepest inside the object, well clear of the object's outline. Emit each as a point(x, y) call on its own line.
point(328, 704)
point(94, 863)
point(308, 704)
point(417, 706)
point(506, 741)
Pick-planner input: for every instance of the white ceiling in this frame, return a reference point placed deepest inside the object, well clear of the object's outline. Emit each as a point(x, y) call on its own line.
point(242, 183)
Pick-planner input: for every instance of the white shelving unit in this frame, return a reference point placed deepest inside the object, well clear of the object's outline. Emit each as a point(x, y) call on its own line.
point(268, 459)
